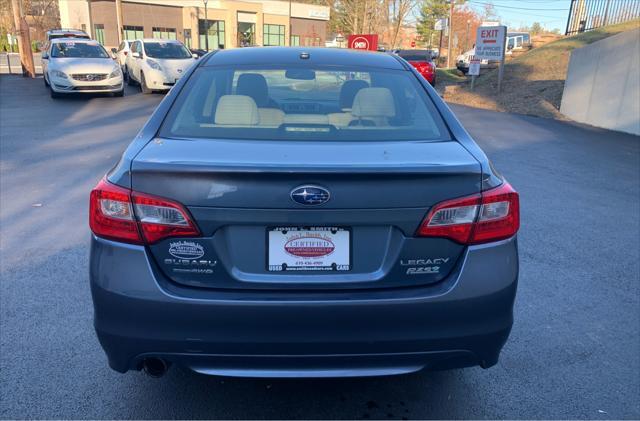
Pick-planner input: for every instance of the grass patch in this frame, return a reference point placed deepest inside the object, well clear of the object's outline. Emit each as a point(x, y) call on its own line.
point(533, 82)
point(450, 76)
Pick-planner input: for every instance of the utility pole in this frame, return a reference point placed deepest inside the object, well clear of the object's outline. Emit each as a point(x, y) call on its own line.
point(119, 20)
point(466, 38)
point(290, 23)
point(90, 28)
point(450, 32)
point(206, 26)
point(24, 40)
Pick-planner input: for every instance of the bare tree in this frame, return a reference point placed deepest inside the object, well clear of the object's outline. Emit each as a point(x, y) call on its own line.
point(400, 11)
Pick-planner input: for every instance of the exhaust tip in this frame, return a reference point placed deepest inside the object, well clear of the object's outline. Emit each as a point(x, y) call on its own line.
point(154, 367)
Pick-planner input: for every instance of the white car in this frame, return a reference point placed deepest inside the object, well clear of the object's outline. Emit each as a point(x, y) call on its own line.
point(157, 64)
point(72, 65)
point(121, 53)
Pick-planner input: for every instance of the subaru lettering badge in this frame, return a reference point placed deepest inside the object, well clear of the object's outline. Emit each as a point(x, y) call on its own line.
point(310, 195)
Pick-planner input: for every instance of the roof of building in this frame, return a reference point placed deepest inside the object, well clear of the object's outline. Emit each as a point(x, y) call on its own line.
point(295, 55)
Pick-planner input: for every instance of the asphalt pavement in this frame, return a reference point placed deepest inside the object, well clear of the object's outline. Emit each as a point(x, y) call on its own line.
point(574, 351)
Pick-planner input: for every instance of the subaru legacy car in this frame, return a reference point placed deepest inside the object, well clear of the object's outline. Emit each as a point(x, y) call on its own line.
point(72, 65)
point(291, 212)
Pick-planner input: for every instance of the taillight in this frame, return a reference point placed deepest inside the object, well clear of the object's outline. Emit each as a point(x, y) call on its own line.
point(423, 66)
point(482, 218)
point(162, 218)
point(119, 214)
point(111, 213)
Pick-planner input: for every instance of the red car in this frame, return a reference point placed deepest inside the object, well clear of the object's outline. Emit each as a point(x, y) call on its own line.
point(422, 60)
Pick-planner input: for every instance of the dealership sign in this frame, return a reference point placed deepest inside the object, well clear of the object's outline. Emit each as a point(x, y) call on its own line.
point(364, 42)
point(490, 41)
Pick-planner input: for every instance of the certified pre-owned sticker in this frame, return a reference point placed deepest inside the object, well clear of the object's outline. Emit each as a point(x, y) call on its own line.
point(186, 250)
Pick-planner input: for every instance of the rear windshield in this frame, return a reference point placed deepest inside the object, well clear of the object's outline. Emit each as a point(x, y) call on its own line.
point(71, 49)
point(166, 50)
point(304, 103)
point(415, 57)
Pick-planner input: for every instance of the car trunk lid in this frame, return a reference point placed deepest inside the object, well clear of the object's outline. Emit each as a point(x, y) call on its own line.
point(238, 191)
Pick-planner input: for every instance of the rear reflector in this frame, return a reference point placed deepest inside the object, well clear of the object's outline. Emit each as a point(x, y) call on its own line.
point(491, 216)
point(117, 213)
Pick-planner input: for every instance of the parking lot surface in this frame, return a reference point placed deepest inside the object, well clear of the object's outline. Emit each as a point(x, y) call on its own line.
point(574, 351)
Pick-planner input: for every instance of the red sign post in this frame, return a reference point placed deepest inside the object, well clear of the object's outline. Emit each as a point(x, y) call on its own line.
point(364, 42)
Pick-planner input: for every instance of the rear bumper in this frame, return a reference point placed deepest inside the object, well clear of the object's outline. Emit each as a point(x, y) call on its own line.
point(462, 321)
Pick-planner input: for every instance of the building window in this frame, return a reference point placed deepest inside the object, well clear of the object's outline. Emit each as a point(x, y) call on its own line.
point(133, 32)
point(98, 30)
point(246, 34)
point(212, 30)
point(187, 38)
point(295, 40)
point(273, 35)
point(164, 33)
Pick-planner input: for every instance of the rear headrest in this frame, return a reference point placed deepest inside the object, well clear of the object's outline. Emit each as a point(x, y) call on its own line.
point(373, 102)
point(236, 110)
point(348, 92)
point(255, 86)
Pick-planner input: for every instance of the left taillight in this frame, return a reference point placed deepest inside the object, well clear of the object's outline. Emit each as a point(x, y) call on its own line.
point(119, 214)
point(491, 216)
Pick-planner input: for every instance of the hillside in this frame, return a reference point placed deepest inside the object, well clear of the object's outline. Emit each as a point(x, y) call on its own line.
point(533, 82)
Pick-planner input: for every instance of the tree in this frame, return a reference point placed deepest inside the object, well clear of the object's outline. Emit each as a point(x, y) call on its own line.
point(430, 12)
point(536, 28)
point(489, 13)
point(400, 9)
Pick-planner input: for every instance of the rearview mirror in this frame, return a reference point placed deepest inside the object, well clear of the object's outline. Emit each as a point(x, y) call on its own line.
point(300, 74)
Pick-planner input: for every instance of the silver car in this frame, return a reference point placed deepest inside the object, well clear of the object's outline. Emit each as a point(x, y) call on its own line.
point(74, 65)
point(291, 212)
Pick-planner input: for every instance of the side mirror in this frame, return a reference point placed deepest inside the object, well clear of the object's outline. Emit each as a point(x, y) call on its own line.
point(114, 50)
point(194, 56)
point(135, 55)
point(44, 56)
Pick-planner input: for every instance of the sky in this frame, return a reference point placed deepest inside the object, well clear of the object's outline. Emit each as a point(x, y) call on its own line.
point(550, 13)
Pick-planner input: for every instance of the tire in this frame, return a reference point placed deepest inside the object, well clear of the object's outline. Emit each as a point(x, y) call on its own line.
point(130, 80)
point(143, 85)
point(54, 94)
point(44, 77)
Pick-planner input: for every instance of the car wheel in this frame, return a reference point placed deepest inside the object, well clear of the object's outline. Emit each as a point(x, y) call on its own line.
point(54, 94)
point(143, 85)
point(44, 77)
point(130, 80)
point(120, 93)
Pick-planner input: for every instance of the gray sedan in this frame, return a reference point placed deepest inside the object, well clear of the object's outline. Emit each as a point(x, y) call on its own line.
point(292, 212)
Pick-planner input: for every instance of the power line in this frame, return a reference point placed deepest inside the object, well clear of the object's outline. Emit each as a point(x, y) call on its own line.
point(518, 8)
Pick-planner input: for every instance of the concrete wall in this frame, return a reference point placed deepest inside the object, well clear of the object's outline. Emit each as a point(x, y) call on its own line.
point(603, 84)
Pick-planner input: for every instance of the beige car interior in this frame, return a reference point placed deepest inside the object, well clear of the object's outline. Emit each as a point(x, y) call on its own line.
point(251, 106)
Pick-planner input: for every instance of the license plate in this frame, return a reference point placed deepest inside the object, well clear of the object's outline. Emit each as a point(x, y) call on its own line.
point(308, 249)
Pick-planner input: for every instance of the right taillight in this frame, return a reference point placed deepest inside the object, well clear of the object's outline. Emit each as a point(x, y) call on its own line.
point(117, 213)
point(491, 216)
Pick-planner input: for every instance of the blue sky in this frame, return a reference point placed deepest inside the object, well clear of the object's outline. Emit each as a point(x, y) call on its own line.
point(550, 13)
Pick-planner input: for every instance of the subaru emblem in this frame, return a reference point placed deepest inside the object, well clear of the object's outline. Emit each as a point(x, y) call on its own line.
point(310, 195)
